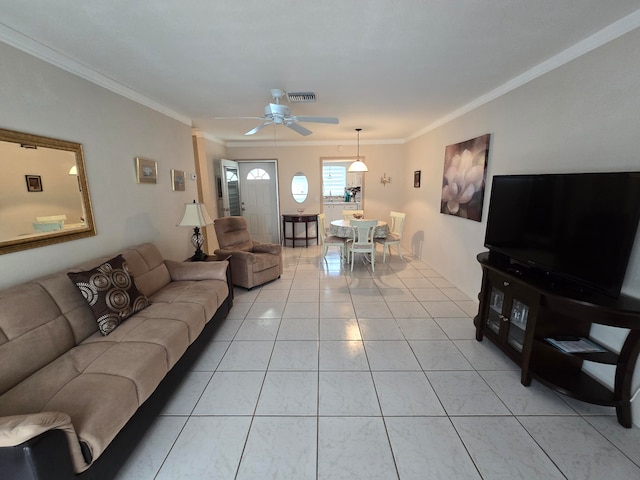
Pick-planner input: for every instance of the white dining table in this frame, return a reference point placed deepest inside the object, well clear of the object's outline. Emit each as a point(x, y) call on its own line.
point(342, 228)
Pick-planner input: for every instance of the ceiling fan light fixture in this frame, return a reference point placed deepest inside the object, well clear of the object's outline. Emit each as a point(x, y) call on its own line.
point(358, 165)
point(278, 114)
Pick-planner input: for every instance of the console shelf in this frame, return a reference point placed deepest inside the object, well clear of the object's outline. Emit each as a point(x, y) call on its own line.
point(519, 310)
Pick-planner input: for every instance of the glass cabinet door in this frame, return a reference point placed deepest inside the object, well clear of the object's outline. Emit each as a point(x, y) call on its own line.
point(496, 301)
point(517, 324)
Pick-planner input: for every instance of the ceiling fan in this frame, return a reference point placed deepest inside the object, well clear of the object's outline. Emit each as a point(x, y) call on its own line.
point(278, 114)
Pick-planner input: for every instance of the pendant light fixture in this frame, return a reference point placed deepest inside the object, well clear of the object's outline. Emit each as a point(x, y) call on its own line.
point(358, 165)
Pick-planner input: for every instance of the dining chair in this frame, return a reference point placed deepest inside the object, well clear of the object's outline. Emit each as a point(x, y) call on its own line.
point(363, 231)
point(348, 214)
point(395, 235)
point(330, 240)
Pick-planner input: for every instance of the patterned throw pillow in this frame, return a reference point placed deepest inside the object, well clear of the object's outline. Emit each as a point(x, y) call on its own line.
point(111, 293)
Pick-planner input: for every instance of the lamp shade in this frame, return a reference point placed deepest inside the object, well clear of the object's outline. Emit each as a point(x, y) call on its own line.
point(73, 170)
point(358, 166)
point(195, 215)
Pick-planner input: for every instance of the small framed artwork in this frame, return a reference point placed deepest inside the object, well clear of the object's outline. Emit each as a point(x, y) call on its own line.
point(34, 183)
point(146, 170)
point(177, 180)
point(416, 178)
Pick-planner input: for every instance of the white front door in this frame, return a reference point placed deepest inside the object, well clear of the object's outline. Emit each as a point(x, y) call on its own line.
point(259, 199)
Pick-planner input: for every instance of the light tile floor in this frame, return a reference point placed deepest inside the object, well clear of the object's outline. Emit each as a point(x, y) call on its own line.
point(328, 374)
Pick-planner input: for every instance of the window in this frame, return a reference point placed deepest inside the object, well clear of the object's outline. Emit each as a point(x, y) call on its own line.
point(232, 175)
point(334, 179)
point(258, 174)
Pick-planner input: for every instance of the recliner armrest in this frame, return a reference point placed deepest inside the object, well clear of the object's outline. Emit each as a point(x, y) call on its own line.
point(248, 257)
point(272, 248)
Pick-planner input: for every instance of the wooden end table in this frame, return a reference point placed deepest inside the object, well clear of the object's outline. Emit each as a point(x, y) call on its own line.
point(304, 218)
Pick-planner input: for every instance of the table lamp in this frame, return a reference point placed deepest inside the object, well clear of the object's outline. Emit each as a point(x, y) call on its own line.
point(195, 215)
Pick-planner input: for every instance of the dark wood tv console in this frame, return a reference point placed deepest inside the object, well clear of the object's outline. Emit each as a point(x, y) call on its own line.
point(519, 310)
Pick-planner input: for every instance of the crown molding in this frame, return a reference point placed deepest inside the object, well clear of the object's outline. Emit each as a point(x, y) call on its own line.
point(28, 45)
point(602, 37)
point(312, 143)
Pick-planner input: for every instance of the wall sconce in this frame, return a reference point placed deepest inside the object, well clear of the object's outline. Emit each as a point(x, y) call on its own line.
point(384, 180)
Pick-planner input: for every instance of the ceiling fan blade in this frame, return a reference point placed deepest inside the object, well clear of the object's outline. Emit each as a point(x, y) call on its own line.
point(258, 128)
point(316, 119)
point(298, 128)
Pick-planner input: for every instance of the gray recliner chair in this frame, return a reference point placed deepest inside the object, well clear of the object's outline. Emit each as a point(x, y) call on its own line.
point(252, 263)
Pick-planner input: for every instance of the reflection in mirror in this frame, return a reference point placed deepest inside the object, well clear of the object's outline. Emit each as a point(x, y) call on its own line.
point(44, 197)
point(299, 187)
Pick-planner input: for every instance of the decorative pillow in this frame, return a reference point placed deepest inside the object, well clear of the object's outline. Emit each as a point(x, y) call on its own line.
point(111, 293)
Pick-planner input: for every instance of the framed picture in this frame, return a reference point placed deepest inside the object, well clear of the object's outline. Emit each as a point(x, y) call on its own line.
point(146, 170)
point(416, 178)
point(177, 180)
point(465, 171)
point(34, 183)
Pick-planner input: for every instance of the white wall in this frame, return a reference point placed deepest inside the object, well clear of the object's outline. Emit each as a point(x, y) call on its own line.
point(582, 117)
point(38, 98)
point(378, 201)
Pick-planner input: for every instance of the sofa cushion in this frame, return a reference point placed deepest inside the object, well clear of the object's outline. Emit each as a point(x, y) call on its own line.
point(111, 292)
point(171, 334)
point(207, 295)
point(99, 406)
point(42, 329)
point(147, 266)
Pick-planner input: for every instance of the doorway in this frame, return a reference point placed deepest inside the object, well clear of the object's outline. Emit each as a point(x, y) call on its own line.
point(230, 188)
point(250, 188)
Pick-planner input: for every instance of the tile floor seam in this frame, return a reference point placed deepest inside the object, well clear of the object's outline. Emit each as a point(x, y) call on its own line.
point(253, 415)
point(544, 451)
point(382, 416)
point(465, 446)
point(586, 419)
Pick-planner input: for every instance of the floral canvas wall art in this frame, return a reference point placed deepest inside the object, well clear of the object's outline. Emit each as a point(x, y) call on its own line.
point(465, 170)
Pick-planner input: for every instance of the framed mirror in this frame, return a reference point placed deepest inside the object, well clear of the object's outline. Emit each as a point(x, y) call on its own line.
point(299, 187)
point(45, 195)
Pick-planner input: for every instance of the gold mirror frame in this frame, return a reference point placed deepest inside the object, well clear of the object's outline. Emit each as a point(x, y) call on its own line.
point(37, 240)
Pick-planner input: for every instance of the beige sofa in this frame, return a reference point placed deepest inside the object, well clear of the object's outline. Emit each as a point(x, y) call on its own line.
point(60, 373)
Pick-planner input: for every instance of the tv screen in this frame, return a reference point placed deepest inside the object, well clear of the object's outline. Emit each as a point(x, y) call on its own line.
point(578, 227)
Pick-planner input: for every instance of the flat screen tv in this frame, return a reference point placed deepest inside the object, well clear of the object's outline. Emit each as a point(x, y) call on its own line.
point(576, 228)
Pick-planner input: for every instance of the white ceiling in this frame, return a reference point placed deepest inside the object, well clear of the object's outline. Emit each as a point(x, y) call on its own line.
point(391, 67)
